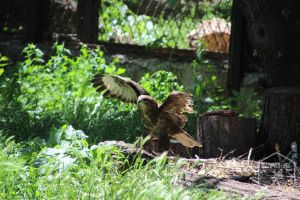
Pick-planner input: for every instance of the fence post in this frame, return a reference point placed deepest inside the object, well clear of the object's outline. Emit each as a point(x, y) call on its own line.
point(88, 20)
point(238, 29)
point(37, 20)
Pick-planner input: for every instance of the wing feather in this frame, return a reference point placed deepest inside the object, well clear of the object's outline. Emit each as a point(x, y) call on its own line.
point(183, 137)
point(118, 87)
point(176, 104)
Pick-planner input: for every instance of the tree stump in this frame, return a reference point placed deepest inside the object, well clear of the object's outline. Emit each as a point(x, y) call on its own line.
point(222, 132)
point(281, 118)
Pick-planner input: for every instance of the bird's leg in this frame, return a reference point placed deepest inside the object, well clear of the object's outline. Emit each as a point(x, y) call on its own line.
point(151, 144)
point(146, 133)
point(163, 143)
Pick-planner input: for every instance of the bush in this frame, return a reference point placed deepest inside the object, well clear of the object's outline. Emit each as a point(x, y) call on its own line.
point(42, 95)
point(209, 93)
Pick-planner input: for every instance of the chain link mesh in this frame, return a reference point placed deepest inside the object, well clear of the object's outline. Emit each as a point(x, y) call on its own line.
point(180, 24)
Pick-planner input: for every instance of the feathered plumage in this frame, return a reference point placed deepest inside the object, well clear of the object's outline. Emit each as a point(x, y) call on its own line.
point(167, 119)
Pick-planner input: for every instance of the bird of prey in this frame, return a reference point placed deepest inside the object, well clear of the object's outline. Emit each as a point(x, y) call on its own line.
point(163, 121)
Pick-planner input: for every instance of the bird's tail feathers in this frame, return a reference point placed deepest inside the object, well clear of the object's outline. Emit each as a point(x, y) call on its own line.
point(185, 139)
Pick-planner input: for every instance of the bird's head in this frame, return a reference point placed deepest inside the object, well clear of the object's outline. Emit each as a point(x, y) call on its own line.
point(147, 103)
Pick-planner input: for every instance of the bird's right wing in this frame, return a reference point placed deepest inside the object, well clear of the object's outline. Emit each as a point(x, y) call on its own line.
point(176, 104)
point(118, 87)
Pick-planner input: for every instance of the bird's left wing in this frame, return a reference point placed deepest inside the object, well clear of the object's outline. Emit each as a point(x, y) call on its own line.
point(176, 104)
point(118, 87)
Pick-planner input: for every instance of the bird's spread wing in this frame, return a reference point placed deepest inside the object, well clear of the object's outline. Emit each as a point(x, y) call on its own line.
point(183, 137)
point(176, 104)
point(118, 87)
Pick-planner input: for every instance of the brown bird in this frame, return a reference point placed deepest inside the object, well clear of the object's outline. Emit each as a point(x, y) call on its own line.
point(165, 121)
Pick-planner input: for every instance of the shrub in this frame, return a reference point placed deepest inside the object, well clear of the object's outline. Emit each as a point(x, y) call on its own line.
point(210, 93)
point(43, 95)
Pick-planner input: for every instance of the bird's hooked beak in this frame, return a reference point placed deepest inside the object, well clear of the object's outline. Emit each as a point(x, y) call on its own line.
point(141, 99)
point(146, 102)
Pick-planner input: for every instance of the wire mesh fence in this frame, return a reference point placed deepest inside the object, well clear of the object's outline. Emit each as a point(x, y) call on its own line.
point(12, 17)
point(180, 24)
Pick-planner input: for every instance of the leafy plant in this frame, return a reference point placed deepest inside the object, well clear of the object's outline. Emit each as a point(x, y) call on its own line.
point(210, 92)
point(221, 9)
point(71, 169)
point(4, 61)
point(43, 95)
point(161, 84)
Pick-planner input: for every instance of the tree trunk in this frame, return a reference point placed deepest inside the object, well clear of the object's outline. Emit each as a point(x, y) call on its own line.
point(281, 118)
point(220, 134)
point(273, 29)
point(88, 20)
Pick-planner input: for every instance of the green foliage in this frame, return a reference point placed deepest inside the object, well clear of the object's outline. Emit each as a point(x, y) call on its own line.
point(119, 23)
point(71, 169)
point(220, 9)
point(161, 84)
point(4, 61)
point(210, 95)
point(46, 94)
point(43, 95)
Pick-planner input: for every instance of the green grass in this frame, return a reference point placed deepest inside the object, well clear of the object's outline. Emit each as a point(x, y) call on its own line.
point(67, 167)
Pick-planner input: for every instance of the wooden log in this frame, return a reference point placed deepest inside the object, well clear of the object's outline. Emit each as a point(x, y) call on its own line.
point(281, 118)
point(182, 151)
point(222, 132)
point(128, 149)
point(238, 189)
point(176, 149)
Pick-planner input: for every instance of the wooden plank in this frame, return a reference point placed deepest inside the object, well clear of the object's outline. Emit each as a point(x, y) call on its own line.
point(238, 189)
point(169, 53)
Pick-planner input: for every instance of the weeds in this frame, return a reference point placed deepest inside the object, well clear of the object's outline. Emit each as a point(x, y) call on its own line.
point(66, 167)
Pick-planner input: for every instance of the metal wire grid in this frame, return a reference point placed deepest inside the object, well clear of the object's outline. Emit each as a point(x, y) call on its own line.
point(13, 16)
point(179, 24)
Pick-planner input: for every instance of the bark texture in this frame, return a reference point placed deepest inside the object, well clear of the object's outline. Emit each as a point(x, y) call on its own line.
point(221, 134)
point(273, 31)
point(281, 118)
